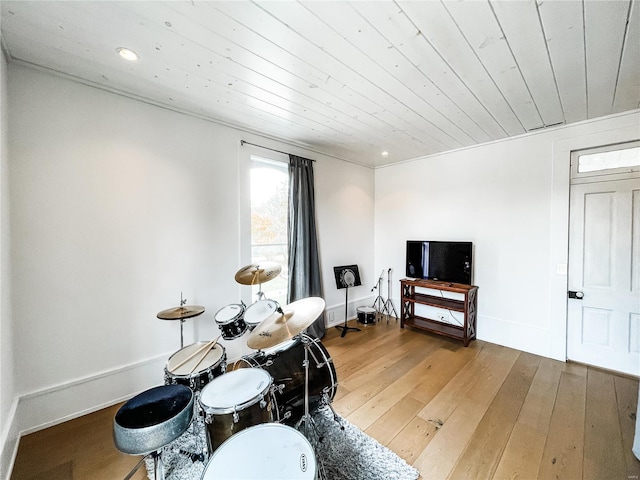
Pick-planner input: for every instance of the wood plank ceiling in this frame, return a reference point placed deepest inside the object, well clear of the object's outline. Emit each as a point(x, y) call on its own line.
point(350, 79)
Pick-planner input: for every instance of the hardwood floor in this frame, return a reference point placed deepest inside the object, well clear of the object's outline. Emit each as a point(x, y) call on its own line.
point(479, 412)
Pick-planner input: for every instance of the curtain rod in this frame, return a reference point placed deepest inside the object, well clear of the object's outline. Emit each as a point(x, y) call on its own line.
point(243, 142)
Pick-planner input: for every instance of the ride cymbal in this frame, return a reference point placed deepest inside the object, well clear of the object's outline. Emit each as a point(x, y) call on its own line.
point(179, 313)
point(255, 273)
point(284, 325)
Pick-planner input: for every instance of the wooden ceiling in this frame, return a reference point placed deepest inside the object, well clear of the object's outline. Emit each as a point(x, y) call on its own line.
point(349, 79)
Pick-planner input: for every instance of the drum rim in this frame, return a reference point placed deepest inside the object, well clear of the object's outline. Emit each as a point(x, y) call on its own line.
point(222, 359)
point(366, 309)
point(268, 301)
point(216, 410)
point(235, 317)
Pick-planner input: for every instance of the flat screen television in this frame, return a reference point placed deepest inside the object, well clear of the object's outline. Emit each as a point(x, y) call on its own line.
point(444, 261)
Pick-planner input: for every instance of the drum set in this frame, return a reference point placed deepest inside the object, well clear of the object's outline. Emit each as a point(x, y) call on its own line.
point(255, 412)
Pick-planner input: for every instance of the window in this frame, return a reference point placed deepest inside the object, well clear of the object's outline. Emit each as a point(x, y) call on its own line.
point(269, 210)
point(609, 160)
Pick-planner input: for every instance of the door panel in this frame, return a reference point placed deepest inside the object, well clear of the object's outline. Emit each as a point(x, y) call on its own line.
point(604, 251)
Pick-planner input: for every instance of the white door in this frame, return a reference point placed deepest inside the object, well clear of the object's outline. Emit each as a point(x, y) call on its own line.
point(603, 324)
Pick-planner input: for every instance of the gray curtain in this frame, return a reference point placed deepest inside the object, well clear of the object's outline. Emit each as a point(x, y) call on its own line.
point(304, 264)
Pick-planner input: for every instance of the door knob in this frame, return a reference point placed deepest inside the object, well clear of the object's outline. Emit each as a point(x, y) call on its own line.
point(574, 294)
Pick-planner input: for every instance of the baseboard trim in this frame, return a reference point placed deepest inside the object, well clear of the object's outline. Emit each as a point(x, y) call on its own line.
point(515, 335)
point(9, 442)
point(60, 403)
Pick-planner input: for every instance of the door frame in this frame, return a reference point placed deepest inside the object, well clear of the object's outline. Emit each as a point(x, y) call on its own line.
point(624, 130)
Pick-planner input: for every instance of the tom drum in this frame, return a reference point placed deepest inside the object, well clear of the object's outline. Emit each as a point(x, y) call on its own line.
point(230, 321)
point(197, 371)
point(234, 401)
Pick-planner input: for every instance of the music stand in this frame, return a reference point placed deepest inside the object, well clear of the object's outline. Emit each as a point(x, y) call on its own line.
point(346, 276)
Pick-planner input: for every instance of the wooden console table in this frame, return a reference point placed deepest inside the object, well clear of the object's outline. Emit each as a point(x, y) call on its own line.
point(468, 306)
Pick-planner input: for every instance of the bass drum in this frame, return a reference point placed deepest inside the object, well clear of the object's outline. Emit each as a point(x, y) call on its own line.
point(285, 363)
point(269, 452)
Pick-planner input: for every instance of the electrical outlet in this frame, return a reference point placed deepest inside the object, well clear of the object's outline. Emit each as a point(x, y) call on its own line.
point(331, 317)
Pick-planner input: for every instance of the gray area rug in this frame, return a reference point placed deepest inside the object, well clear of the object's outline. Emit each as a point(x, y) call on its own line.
point(345, 452)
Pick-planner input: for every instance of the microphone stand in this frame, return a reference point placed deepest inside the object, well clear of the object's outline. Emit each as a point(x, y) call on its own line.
point(388, 306)
point(378, 303)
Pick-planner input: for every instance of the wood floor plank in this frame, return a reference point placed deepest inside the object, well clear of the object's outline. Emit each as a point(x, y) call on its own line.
point(484, 450)
point(459, 408)
point(389, 425)
point(603, 455)
point(479, 378)
point(563, 450)
point(522, 454)
point(413, 439)
point(627, 401)
point(377, 406)
point(384, 376)
point(430, 399)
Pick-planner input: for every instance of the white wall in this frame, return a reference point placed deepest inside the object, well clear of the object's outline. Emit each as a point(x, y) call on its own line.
point(118, 207)
point(8, 395)
point(510, 198)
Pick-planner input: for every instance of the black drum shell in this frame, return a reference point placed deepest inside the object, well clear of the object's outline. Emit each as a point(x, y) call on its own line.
point(285, 364)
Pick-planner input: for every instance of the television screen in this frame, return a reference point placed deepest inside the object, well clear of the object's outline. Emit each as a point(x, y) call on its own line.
point(444, 261)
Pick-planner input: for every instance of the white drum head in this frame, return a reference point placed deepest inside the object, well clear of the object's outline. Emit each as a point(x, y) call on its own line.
point(211, 358)
point(234, 389)
point(267, 451)
point(366, 310)
point(259, 311)
point(230, 312)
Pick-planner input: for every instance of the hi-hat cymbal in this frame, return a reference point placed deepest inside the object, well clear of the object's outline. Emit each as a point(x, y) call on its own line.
point(282, 326)
point(180, 313)
point(255, 273)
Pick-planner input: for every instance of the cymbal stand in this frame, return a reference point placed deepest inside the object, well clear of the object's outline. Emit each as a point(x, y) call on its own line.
point(378, 303)
point(388, 306)
point(308, 421)
point(182, 303)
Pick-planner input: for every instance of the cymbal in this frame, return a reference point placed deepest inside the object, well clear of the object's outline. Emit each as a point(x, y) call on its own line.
point(254, 274)
point(180, 313)
point(282, 326)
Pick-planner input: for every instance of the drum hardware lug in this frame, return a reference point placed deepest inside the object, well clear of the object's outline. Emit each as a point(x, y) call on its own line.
point(263, 403)
point(236, 417)
point(208, 417)
point(268, 363)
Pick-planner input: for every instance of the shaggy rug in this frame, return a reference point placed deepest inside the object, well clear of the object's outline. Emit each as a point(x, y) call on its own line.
point(344, 452)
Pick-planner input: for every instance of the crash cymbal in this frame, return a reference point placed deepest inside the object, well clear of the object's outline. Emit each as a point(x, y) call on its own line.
point(257, 273)
point(180, 313)
point(282, 326)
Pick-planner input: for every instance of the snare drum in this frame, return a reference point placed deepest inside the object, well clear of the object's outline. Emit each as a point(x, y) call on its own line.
point(234, 401)
point(259, 311)
point(285, 363)
point(230, 321)
point(366, 315)
point(191, 373)
point(270, 451)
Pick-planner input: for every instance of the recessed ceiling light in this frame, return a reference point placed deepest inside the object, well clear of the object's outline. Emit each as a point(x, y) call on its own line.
point(127, 54)
point(385, 153)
